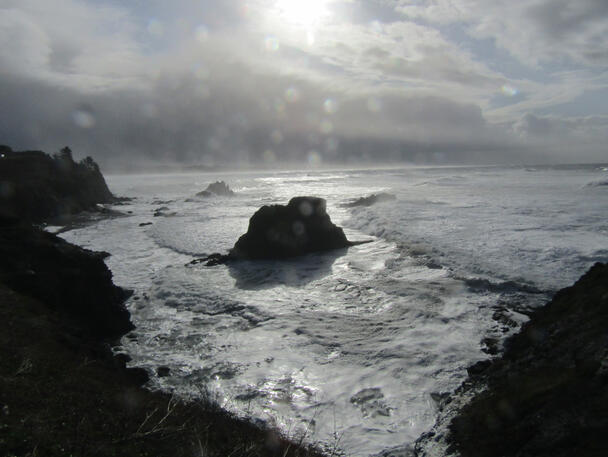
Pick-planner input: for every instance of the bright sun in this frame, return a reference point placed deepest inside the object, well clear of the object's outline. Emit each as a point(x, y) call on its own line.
point(305, 12)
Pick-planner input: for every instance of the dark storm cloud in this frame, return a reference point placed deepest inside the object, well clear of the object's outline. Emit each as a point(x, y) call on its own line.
point(266, 81)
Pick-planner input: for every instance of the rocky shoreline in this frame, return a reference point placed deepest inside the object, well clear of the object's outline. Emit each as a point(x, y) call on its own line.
point(547, 394)
point(62, 390)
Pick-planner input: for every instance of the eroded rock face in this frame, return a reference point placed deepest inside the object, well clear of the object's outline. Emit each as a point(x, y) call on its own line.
point(548, 393)
point(36, 187)
point(219, 188)
point(281, 231)
point(69, 279)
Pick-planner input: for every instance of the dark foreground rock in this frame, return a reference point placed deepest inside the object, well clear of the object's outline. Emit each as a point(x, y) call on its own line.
point(548, 394)
point(36, 187)
point(281, 231)
point(71, 280)
point(371, 200)
point(218, 188)
point(63, 394)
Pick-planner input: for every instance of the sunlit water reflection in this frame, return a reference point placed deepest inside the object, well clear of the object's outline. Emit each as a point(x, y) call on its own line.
point(349, 345)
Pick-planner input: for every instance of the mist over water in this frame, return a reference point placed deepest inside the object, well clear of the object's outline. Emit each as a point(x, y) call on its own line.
point(349, 347)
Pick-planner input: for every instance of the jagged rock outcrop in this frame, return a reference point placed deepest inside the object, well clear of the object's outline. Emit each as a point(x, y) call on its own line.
point(548, 393)
point(36, 187)
point(218, 188)
point(371, 200)
point(70, 280)
point(281, 231)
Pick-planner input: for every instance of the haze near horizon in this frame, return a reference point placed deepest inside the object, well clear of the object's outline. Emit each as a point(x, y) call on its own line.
point(323, 82)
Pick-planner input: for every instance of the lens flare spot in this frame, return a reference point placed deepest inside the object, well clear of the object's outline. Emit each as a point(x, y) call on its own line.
point(279, 106)
point(201, 33)
point(314, 158)
point(269, 156)
point(330, 106)
point(305, 209)
point(276, 136)
point(375, 26)
point(83, 118)
point(331, 144)
point(292, 94)
point(271, 43)
point(509, 90)
point(149, 110)
point(374, 104)
point(298, 229)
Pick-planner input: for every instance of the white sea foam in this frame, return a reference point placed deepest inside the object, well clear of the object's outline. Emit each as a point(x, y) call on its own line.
point(348, 343)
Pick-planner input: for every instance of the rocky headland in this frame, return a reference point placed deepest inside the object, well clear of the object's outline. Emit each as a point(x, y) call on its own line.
point(547, 394)
point(37, 187)
point(62, 390)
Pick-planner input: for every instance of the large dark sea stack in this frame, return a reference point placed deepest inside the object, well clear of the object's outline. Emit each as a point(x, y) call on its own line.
point(548, 394)
point(71, 280)
point(279, 231)
point(36, 187)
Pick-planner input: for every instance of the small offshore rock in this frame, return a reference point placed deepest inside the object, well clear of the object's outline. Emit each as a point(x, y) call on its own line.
point(371, 200)
point(163, 371)
point(218, 188)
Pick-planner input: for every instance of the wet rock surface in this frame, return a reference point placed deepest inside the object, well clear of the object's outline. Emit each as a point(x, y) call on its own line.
point(371, 402)
point(281, 231)
point(547, 395)
point(36, 187)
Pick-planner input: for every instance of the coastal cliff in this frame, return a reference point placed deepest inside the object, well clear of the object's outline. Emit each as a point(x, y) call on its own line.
point(72, 281)
point(36, 187)
point(547, 395)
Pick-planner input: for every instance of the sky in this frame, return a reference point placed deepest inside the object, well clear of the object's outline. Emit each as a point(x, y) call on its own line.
point(316, 82)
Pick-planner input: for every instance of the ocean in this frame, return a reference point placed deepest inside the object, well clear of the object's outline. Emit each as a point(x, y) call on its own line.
point(352, 348)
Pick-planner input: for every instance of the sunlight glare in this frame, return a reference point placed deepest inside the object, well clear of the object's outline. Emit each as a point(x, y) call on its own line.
point(307, 13)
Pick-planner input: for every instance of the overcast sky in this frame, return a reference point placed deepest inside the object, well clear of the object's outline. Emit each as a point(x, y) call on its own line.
point(266, 81)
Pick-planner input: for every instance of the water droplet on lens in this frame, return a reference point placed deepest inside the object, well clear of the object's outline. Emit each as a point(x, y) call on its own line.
point(83, 118)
